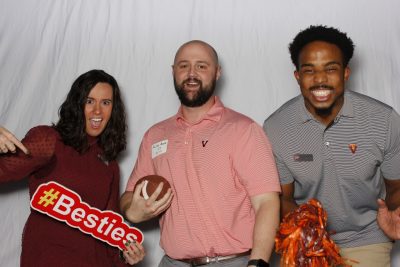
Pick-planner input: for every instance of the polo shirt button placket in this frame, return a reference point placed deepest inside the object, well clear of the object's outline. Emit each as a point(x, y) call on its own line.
point(188, 135)
point(327, 147)
point(325, 144)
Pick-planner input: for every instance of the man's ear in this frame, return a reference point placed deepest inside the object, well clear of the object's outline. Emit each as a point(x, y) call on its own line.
point(219, 71)
point(297, 76)
point(347, 72)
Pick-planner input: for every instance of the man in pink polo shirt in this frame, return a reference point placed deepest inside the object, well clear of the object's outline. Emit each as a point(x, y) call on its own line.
point(224, 204)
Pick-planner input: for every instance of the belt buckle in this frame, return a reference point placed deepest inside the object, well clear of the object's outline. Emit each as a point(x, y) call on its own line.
point(207, 260)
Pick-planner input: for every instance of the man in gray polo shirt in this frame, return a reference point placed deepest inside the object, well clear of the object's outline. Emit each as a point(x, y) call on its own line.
point(340, 147)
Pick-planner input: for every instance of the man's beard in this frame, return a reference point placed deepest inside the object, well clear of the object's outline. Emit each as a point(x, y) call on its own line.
point(324, 112)
point(199, 98)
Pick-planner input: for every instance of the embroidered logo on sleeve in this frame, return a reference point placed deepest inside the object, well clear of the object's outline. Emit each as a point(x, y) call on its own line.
point(159, 148)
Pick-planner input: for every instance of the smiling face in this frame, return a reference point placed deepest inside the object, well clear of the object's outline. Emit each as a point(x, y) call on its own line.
point(195, 72)
point(98, 108)
point(321, 76)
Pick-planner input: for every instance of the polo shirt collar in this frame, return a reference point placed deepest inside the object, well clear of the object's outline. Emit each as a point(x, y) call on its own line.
point(346, 111)
point(213, 114)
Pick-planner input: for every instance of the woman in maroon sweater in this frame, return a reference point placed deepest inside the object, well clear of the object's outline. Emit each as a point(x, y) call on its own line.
point(80, 153)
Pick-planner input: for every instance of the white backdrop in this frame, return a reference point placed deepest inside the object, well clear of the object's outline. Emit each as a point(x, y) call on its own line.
point(45, 45)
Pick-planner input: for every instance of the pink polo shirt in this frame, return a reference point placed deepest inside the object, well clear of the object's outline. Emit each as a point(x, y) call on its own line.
point(214, 166)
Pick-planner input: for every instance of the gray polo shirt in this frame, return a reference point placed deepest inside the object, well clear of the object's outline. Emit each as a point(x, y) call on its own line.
point(343, 165)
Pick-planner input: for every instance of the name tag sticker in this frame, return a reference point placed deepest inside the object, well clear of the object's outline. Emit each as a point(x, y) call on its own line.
point(159, 148)
point(303, 157)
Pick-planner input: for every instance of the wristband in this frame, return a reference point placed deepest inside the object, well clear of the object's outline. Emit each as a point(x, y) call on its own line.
point(258, 263)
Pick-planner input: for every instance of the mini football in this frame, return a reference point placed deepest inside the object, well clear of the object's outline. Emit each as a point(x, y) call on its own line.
point(151, 183)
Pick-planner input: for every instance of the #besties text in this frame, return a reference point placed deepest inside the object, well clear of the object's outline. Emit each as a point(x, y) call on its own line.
point(65, 205)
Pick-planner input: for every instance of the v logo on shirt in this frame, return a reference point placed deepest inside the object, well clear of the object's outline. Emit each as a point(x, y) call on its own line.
point(204, 143)
point(353, 148)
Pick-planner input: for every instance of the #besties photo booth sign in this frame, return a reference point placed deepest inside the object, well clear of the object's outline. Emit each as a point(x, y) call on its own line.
point(65, 205)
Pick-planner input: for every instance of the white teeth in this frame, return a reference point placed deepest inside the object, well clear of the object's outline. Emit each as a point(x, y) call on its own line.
point(96, 119)
point(321, 93)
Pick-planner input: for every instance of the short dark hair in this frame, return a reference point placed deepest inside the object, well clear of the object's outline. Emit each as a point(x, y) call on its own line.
point(72, 127)
point(325, 34)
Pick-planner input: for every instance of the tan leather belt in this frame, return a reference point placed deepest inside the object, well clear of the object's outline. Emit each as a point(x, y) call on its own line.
point(208, 260)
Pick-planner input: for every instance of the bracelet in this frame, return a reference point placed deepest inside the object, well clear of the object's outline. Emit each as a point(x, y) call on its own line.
point(258, 263)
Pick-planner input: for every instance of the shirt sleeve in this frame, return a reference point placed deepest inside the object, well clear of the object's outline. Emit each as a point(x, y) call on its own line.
point(113, 200)
point(113, 204)
point(144, 163)
point(40, 141)
point(285, 175)
point(254, 162)
point(390, 166)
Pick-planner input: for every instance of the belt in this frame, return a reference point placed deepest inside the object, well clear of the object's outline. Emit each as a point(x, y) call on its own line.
point(208, 260)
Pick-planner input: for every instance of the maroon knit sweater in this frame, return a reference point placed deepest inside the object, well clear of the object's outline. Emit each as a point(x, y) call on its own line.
point(46, 241)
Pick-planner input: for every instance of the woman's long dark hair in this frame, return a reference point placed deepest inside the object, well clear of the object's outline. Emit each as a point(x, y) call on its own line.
point(71, 124)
